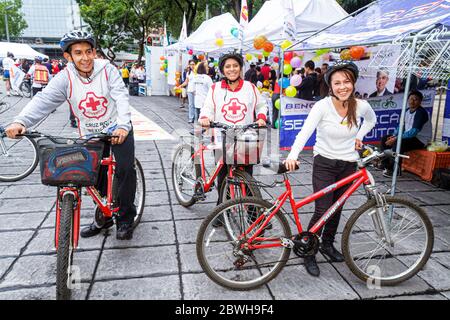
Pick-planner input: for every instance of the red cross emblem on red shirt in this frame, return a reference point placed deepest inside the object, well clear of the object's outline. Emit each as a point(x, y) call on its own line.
point(234, 111)
point(93, 106)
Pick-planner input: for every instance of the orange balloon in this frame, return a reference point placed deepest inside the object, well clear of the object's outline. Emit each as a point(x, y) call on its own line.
point(259, 41)
point(357, 52)
point(268, 46)
point(201, 57)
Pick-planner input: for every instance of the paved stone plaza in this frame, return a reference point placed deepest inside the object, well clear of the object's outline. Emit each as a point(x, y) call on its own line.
point(160, 262)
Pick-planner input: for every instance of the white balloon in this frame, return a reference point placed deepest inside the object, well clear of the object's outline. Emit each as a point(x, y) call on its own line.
point(275, 66)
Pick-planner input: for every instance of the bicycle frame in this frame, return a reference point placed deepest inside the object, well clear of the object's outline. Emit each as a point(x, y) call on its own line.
point(106, 208)
point(220, 164)
point(358, 178)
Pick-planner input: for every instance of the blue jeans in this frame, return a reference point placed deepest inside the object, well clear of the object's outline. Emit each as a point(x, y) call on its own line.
point(191, 106)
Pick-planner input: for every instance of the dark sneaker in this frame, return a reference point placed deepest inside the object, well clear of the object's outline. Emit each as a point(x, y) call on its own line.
point(388, 173)
point(311, 266)
point(93, 229)
point(124, 231)
point(328, 250)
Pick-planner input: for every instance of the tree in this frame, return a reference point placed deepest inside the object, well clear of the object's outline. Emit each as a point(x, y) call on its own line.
point(352, 5)
point(16, 22)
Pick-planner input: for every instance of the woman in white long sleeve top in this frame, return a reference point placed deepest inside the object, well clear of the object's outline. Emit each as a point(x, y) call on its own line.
point(337, 120)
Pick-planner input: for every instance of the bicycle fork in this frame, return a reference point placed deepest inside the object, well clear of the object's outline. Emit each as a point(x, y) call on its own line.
point(76, 214)
point(378, 217)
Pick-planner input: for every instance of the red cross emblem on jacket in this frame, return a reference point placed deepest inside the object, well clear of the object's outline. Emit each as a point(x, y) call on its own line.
point(234, 111)
point(93, 106)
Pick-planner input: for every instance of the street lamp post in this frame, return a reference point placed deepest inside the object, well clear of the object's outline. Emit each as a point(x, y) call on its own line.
point(6, 22)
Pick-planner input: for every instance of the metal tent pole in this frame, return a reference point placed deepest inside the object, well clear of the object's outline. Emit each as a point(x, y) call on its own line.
point(405, 102)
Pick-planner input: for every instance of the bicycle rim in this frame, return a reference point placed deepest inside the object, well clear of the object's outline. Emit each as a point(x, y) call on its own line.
point(139, 200)
point(371, 257)
point(184, 175)
point(220, 256)
point(18, 158)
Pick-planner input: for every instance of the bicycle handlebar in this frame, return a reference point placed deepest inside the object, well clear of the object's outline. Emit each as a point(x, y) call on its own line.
point(100, 136)
point(219, 125)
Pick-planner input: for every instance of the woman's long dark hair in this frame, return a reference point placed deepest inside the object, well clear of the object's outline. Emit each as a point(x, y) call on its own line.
point(201, 68)
point(351, 102)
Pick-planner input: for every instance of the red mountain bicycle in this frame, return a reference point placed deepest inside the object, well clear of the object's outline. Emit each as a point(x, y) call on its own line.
point(70, 165)
point(386, 241)
point(191, 180)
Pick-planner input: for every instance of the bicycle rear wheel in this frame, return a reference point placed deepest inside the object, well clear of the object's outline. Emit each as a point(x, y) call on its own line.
point(184, 175)
point(139, 200)
point(18, 158)
point(25, 89)
point(230, 264)
point(371, 258)
point(65, 249)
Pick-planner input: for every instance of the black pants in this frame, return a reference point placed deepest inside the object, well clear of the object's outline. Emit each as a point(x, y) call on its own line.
point(325, 173)
point(36, 90)
point(407, 145)
point(126, 176)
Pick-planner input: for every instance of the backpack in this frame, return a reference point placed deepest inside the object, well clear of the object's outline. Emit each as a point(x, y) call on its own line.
point(441, 178)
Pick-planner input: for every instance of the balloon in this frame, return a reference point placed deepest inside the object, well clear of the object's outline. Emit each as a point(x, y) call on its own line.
point(218, 34)
point(162, 68)
point(162, 58)
point(275, 66)
point(268, 46)
point(287, 69)
point(235, 32)
point(259, 41)
point(249, 57)
point(277, 104)
point(201, 57)
point(322, 51)
point(266, 54)
point(219, 42)
point(288, 56)
point(291, 91)
point(260, 56)
point(357, 52)
point(345, 54)
point(296, 80)
point(285, 44)
point(296, 62)
point(191, 52)
point(277, 124)
point(283, 83)
point(276, 59)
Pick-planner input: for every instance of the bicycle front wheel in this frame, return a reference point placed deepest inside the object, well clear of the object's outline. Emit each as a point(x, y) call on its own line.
point(229, 262)
point(65, 249)
point(184, 175)
point(18, 158)
point(369, 254)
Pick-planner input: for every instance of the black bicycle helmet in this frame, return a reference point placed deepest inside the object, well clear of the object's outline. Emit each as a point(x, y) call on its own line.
point(76, 36)
point(341, 65)
point(234, 56)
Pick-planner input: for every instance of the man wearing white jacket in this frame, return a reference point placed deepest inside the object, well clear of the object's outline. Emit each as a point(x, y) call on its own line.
point(99, 100)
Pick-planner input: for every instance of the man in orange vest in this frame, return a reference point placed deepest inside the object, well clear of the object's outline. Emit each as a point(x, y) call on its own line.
point(39, 74)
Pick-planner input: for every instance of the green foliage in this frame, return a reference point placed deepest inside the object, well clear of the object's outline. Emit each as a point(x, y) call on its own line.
point(16, 23)
point(352, 5)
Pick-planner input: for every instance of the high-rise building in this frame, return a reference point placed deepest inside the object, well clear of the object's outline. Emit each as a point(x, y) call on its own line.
point(48, 21)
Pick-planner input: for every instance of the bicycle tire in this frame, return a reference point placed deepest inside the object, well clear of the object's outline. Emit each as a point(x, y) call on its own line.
point(371, 205)
point(189, 200)
point(4, 106)
point(65, 250)
point(201, 237)
point(252, 191)
point(25, 89)
point(29, 169)
point(140, 185)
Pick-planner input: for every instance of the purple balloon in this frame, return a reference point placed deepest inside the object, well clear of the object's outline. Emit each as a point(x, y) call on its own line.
point(296, 80)
point(296, 62)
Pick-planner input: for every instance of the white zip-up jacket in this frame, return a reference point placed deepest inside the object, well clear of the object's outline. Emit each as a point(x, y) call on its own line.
point(98, 104)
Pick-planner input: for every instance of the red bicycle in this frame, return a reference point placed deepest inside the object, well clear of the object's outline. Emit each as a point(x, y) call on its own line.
point(71, 164)
point(192, 181)
point(386, 241)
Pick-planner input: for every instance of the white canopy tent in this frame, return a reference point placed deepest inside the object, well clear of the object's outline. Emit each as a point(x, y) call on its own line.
point(20, 51)
point(310, 16)
point(203, 39)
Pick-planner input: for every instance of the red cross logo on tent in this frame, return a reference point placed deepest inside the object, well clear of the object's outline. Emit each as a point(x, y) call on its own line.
point(234, 111)
point(93, 106)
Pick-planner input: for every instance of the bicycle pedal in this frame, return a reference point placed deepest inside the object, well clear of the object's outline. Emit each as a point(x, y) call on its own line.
point(200, 197)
